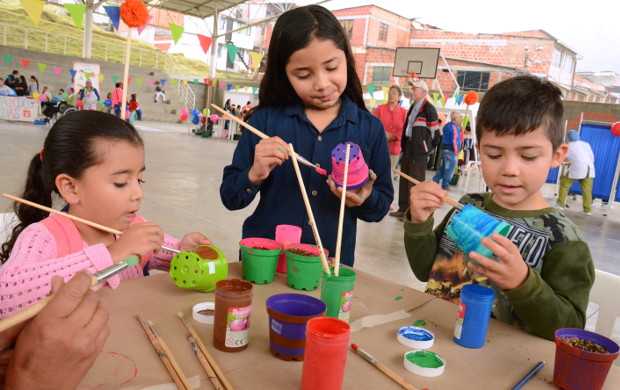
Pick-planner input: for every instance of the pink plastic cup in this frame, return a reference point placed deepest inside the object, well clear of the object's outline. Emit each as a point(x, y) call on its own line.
point(286, 235)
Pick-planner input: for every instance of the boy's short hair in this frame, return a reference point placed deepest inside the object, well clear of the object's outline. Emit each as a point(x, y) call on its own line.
point(520, 105)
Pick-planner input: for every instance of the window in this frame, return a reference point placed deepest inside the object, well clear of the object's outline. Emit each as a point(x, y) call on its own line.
point(381, 74)
point(347, 25)
point(473, 81)
point(383, 32)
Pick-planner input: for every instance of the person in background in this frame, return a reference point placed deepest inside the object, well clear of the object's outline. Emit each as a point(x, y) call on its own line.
point(245, 110)
point(581, 167)
point(45, 96)
point(34, 85)
point(56, 349)
point(90, 96)
point(451, 142)
point(5, 90)
point(392, 116)
point(159, 93)
point(117, 97)
point(12, 79)
point(134, 108)
point(71, 97)
point(60, 97)
point(107, 103)
point(21, 87)
point(422, 121)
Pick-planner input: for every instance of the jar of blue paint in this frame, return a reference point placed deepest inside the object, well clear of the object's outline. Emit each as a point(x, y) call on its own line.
point(470, 225)
point(474, 314)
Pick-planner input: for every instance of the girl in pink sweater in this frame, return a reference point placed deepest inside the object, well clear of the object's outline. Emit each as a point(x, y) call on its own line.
point(95, 163)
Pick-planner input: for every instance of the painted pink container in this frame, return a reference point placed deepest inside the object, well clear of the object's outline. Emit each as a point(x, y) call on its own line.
point(286, 235)
point(358, 170)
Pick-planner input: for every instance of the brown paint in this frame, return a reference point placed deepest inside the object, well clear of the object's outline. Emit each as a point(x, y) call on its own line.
point(229, 293)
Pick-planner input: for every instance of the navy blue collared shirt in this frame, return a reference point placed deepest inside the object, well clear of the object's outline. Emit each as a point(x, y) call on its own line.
point(280, 198)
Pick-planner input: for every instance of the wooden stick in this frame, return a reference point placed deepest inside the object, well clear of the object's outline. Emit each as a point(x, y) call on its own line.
point(162, 354)
point(451, 201)
point(304, 195)
point(381, 367)
point(168, 353)
point(205, 364)
point(252, 129)
point(205, 352)
point(126, 75)
point(343, 201)
point(74, 218)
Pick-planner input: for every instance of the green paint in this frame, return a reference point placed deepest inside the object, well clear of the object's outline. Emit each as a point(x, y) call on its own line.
point(425, 359)
point(419, 323)
point(398, 298)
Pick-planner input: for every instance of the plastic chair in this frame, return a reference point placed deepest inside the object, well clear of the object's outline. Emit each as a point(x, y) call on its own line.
point(603, 293)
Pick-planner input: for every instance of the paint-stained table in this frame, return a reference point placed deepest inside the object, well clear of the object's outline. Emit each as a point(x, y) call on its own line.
point(380, 307)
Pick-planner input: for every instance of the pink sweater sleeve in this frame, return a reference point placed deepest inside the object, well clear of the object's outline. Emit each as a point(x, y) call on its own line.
point(26, 276)
point(161, 259)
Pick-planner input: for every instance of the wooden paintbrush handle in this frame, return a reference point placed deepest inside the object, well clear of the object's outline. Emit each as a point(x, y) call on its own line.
point(452, 202)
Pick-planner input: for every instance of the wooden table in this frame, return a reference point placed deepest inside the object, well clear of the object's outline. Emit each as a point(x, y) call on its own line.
point(129, 361)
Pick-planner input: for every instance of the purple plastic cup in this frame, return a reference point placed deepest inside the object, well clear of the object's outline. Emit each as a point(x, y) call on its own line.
point(288, 315)
point(576, 369)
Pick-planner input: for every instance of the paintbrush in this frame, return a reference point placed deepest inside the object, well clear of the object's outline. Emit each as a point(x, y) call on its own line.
point(96, 278)
point(74, 218)
point(317, 168)
point(381, 367)
point(447, 199)
point(531, 374)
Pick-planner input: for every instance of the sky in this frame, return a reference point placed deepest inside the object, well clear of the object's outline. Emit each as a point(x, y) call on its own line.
point(591, 28)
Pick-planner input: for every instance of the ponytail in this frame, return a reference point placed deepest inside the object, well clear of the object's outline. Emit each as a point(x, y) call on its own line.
point(36, 190)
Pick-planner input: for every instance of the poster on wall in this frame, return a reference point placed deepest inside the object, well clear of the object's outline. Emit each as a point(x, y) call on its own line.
point(84, 72)
point(18, 108)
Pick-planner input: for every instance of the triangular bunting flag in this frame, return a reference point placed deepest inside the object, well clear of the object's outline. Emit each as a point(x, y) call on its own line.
point(8, 59)
point(205, 42)
point(256, 58)
point(371, 89)
point(162, 82)
point(232, 52)
point(72, 72)
point(24, 63)
point(33, 8)
point(101, 77)
point(114, 13)
point(42, 67)
point(465, 121)
point(57, 70)
point(176, 32)
point(77, 12)
point(174, 82)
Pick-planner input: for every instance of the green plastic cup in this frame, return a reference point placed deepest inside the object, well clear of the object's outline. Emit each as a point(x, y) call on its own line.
point(259, 258)
point(190, 270)
point(303, 271)
point(337, 293)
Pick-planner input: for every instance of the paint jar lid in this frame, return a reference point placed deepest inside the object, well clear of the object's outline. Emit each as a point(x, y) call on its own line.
point(415, 337)
point(477, 292)
point(204, 312)
point(424, 363)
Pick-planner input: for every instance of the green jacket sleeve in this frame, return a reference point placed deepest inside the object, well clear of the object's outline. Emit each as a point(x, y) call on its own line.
point(421, 244)
point(558, 296)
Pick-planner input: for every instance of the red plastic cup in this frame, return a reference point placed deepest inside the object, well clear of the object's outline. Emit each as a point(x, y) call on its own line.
point(325, 357)
point(286, 235)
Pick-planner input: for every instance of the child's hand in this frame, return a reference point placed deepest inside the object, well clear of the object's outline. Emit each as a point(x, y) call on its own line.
point(355, 197)
point(191, 241)
point(510, 271)
point(424, 199)
point(268, 154)
point(140, 239)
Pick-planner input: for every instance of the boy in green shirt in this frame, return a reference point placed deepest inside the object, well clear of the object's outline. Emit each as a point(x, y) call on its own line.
point(542, 272)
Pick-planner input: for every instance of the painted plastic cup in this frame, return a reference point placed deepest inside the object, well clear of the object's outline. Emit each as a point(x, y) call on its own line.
point(199, 270)
point(337, 293)
point(303, 270)
point(259, 258)
point(325, 358)
point(288, 315)
point(286, 235)
point(469, 226)
point(474, 315)
point(576, 369)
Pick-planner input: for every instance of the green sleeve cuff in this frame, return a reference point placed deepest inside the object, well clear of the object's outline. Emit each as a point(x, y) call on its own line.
point(527, 290)
point(423, 228)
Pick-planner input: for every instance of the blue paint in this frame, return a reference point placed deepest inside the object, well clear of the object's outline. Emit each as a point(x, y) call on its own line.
point(415, 334)
point(474, 314)
point(470, 225)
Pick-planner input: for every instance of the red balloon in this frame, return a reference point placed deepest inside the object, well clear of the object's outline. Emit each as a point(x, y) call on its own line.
point(134, 13)
point(471, 98)
point(615, 129)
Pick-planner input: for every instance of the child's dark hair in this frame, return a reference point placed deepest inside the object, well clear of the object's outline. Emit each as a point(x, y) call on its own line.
point(520, 105)
point(68, 149)
point(293, 31)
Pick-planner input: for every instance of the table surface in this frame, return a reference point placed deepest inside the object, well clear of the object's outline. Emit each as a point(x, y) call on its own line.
point(379, 308)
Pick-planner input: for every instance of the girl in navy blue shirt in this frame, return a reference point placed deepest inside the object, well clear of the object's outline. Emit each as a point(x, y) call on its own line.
point(311, 97)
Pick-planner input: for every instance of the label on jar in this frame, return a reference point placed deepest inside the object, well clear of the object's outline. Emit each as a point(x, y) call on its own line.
point(458, 327)
point(237, 326)
point(346, 301)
